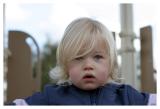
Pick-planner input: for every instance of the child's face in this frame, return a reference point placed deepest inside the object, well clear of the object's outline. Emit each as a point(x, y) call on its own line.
point(90, 71)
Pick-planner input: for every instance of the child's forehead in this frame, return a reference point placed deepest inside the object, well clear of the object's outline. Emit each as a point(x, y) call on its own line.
point(98, 51)
point(99, 46)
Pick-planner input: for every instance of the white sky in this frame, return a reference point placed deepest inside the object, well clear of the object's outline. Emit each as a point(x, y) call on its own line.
point(52, 19)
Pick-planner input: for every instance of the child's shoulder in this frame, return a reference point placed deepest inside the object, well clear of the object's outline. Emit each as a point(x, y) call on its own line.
point(54, 88)
point(119, 85)
point(115, 85)
point(129, 93)
point(123, 88)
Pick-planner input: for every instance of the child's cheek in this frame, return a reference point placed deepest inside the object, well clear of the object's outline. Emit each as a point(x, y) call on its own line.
point(73, 73)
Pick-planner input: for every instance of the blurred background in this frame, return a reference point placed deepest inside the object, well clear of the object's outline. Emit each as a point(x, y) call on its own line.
point(32, 32)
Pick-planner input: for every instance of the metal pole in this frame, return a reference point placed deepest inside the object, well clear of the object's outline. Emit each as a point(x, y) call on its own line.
point(128, 65)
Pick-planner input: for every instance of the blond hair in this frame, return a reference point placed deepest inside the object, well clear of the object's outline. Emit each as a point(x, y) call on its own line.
point(83, 33)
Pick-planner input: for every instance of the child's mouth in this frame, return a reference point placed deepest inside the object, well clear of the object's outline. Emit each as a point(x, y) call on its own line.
point(88, 77)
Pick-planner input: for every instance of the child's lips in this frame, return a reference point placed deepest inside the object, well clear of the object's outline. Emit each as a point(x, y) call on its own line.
point(88, 77)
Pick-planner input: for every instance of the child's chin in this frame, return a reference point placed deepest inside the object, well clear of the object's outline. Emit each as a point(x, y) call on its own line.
point(89, 87)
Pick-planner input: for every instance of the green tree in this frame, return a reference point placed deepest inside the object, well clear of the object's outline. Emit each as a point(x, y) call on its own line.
point(48, 62)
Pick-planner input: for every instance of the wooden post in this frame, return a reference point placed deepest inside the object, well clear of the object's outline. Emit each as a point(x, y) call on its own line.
point(20, 80)
point(148, 83)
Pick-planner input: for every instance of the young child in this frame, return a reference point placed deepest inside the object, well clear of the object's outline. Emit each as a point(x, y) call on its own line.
point(86, 67)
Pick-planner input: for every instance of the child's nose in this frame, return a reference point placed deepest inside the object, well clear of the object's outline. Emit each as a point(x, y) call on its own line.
point(88, 65)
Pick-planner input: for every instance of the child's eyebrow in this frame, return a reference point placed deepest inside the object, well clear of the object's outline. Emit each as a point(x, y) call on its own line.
point(96, 52)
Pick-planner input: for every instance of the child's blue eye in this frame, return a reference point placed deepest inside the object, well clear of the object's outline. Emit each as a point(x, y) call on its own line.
point(98, 56)
point(79, 58)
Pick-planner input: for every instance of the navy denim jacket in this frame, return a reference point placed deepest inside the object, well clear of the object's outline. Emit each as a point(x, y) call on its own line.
point(110, 94)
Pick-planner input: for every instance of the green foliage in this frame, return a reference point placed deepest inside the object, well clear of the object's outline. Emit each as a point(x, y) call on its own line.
point(48, 62)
